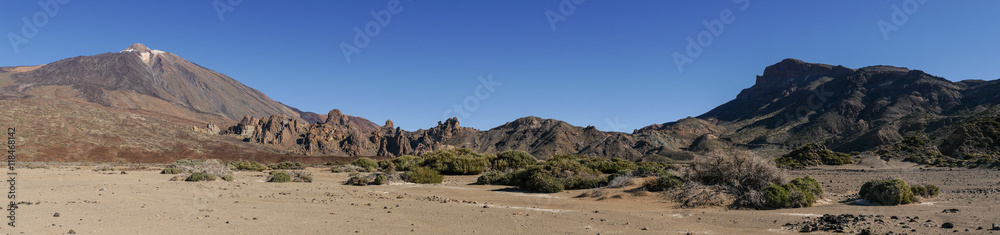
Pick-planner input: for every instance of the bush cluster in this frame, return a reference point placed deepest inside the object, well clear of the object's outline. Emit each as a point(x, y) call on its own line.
point(423, 175)
point(405, 162)
point(554, 175)
point(455, 161)
point(199, 176)
point(887, 192)
point(171, 170)
point(801, 192)
point(368, 164)
point(895, 191)
point(200, 170)
point(244, 165)
point(663, 183)
point(287, 166)
point(812, 154)
point(279, 177)
point(513, 159)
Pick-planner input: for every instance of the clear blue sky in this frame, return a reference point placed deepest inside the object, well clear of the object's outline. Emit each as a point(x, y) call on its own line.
point(607, 60)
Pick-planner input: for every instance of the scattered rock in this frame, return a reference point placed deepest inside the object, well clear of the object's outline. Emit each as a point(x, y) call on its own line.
point(947, 225)
point(71, 232)
point(952, 210)
point(995, 227)
point(56, 214)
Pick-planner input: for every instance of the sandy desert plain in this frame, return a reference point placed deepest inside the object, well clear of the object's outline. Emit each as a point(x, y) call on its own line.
point(72, 198)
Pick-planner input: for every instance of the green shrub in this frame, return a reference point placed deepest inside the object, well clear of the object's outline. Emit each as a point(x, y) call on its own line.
point(367, 163)
point(287, 166)
point(491, 177)
point(279, 177)
point(513, 159)
point(424, 175)
point(798, 197)
point(386, 165)
point(663, 183)
point(553, 175)
point(199, 176)
point(929, 190)
point(810, 155)
point(808, 184)
point(455, 161)
point(776, 196)
point(887, 192)
point(301, 176)
point(544, 183)
point(380, 179)
point(932, 190)
point(646, 169)
point(171, 171)
point(357, 179)
point(244, 165)
point(228, 177)
point(405, 162)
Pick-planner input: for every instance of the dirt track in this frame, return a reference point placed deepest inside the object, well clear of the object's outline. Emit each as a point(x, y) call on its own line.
point(145, 202)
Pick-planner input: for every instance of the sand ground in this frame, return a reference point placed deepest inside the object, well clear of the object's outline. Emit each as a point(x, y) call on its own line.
point(146, 202)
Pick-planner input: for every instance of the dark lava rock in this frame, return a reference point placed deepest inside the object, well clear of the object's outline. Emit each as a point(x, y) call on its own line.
point(947, 225)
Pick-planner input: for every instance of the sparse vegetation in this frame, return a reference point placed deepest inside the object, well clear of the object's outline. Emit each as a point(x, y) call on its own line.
point(228, 177)
point(171, 170)
point(200, 176)
point(811, 155)
point(405, 162)
point(287, 166)
point(554, 175)
point(279, 177)
point(663, 183)
point(244, 165)
point(513, 159)
point(423, 175)
point(455, 161)
point(368, 164)
point(754, 182)
point(887, 192)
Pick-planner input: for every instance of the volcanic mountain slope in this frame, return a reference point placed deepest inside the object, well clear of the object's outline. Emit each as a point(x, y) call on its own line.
point(135, 105)
point(139, 78)
point(794, 103)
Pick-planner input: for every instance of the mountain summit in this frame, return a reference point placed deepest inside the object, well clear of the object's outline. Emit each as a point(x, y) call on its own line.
point(139, 78)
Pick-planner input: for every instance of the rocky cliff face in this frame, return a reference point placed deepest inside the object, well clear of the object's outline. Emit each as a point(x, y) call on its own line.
point(794, 103)
point(541, 137)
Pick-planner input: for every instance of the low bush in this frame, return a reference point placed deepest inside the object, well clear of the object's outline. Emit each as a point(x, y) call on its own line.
point(887, 192)
point(386, 165)
point(811, 155)
point(287, 166)
point(368, 164)
point(646, 169)
point(776, 196)
point(741, 170)
point(301, 176)
point(929, 190)
point(808, 184)
point(663, 183)
point(603, 165)
point(423, 175)
point(554, 175)
point(405, 162)
point(455, 161)
point(380, 179)
point(228, 177)
point(171, 171)
point(104, 167)
point(513, 159)
point(279, 177)
point(491, 177)
point(244, 165)
point(357, 179)
point(346, 168)
point(199, 176)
